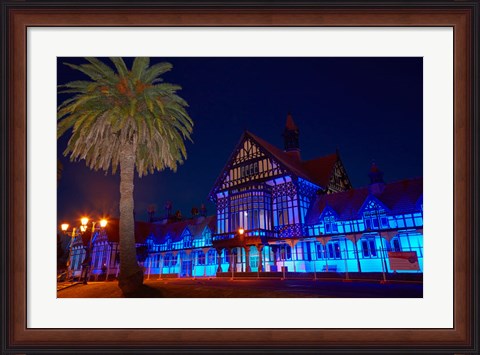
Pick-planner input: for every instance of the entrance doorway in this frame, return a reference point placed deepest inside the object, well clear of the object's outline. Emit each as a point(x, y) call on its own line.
point(186, 269)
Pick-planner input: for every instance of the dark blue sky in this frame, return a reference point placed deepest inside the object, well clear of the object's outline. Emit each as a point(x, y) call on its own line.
point(368, 108)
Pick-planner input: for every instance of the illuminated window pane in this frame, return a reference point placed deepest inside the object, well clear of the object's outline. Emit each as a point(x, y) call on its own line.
point(396, 244)
point(373, 249)
point(365, 248)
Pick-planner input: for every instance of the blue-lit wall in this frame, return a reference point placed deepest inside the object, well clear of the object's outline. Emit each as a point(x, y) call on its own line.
point(333, 244)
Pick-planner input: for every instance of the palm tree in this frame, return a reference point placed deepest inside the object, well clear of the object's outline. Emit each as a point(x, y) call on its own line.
point(128, 119)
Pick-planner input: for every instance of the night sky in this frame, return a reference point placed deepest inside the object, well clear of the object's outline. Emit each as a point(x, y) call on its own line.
point(368, 108)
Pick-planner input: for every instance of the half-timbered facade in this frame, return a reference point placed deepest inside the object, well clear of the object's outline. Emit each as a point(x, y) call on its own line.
point(266, 191)
point(278, 213)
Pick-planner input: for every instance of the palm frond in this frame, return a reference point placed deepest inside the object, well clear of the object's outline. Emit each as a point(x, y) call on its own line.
point(118, 107)
point(120, 66)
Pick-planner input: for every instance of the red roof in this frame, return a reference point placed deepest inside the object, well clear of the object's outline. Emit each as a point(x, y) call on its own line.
point(398, 197)
point(174, 229)
point(318, 170)
point(321, 169)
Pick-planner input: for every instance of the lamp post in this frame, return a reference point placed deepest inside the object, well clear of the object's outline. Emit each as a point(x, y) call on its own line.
point(64, 228)
point(87, 261)
point(232, 264)
point(233, 255)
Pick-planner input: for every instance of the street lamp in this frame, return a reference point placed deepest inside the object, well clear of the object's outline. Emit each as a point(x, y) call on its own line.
point(64, 228)
point(87, 261)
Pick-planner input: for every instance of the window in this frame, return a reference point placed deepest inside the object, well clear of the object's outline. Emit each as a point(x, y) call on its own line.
point(396, 244)
point(408, 220)
point(187, 239)
point(330, 224)
point(333, 250)
point(418, 218)
point(286, 252)
point(369, 248)
point(200, 257)
point(319, 251)
point(207, 235)
point(168, 243)
point(170, 260)
point(307, 252)
point(222, 215)
point(375, 219)
point(285, 211)
point(150, 244)
point(211, 257)
point(226, 256)
point(248, 170)
point(250, 209)
point(374, 216)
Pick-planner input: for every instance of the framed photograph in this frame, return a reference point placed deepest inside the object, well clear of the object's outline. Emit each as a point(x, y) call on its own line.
point(224, 176)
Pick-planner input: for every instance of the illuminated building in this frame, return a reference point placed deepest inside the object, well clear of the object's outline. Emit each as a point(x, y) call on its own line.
point(276, 212)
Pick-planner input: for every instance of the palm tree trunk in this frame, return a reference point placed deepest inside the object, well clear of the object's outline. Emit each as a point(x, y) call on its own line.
point(131, 275)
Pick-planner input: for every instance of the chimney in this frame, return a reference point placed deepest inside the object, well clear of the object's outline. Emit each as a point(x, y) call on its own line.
point(377, 185)
point(291, 140)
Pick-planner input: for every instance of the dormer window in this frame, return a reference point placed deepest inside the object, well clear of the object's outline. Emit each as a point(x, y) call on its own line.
point(187, 240)
point(329, 220)
point(249, 169)
point(374, 216)
point(150, 244)
point(375, 219)
point(330, 224)
point(207, 235)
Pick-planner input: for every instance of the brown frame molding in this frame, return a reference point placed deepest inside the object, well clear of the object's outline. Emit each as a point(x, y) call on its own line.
point(464, 20)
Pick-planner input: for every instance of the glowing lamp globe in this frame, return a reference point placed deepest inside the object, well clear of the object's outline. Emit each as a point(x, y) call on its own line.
point(64, 227)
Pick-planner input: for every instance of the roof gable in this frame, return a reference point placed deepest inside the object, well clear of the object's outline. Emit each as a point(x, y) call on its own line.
point(328, 212)
point(186, 233)
point(397, 197)
point(176, 231)
point(247, 149)
point(317, 171)
point(372, 204)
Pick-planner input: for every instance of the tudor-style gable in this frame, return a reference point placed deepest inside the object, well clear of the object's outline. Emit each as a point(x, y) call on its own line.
point(329, 213)
point(339, 180)
point(249, 162)
point(256, 161)
point(372, 205)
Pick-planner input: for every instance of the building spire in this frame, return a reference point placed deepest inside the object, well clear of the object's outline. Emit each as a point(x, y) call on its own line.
point(377, 184)
point(291, 135)
point(290, 124)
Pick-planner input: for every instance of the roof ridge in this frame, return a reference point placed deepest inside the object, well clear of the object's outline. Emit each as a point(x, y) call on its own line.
point(298, 167)
point(320, 157)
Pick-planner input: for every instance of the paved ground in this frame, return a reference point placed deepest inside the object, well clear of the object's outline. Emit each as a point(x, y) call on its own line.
point(219, 288)
point(65, 284)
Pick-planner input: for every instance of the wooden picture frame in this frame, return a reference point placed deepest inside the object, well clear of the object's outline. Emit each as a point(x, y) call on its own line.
point(18, 16)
